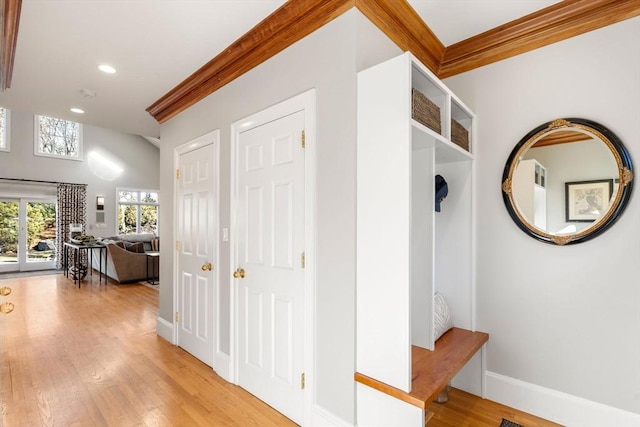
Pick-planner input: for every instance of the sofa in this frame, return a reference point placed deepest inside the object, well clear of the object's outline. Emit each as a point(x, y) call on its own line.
point(126, 257)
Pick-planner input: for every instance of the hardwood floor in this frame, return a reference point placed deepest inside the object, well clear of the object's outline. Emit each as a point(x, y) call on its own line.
point(91, 357)
point(467, 410)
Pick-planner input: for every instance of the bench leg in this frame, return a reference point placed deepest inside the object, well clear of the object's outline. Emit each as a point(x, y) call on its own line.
point(443, 396)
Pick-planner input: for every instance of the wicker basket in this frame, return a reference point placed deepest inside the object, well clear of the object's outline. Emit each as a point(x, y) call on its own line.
point(459, 135)
point(425, 111)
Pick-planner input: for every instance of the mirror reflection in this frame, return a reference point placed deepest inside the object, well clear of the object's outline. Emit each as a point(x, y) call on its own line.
point(562, 181)
point(556, 159)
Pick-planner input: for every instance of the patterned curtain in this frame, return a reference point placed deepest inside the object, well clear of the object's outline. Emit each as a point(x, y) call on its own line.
point(72, 209)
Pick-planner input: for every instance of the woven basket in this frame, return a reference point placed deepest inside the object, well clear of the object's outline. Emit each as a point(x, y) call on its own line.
point(459, 135)
point(425, 111)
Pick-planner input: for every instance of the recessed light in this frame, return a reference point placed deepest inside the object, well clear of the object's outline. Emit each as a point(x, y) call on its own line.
point(77, 110)
point(107, 69)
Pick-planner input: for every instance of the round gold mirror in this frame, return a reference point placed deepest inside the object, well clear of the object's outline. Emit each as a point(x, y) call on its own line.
point(567, 181)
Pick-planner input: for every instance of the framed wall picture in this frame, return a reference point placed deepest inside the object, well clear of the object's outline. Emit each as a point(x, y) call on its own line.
point(586, 201)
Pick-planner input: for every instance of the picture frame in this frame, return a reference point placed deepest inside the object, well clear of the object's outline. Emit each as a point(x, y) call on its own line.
point(586, 201)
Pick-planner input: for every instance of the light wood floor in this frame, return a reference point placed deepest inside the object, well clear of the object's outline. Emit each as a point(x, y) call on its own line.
point(91, 357)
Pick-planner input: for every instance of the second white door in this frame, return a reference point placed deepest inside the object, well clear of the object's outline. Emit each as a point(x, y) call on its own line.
point(197, 251)
point(269, 254)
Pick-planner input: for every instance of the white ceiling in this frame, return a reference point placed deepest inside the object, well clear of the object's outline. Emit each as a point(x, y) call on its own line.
point(156, 44)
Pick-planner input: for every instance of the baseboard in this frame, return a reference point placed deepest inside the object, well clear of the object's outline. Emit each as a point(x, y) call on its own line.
point(165, 330)
point(222, 366)
point(555, 406)
point(324, 418)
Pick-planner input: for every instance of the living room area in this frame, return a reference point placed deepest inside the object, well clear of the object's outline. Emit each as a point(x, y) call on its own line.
point(118, 175)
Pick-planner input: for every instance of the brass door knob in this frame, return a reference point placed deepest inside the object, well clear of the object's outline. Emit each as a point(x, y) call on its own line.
point(207, 267)
point(239, 273)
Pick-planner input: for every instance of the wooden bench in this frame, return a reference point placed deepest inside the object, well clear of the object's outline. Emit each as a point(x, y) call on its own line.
point(433, 370)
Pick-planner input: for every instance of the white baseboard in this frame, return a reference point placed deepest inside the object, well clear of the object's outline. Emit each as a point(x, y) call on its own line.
point(165, 329)
point(555, 406)
point(324, 418)
point(222, 366)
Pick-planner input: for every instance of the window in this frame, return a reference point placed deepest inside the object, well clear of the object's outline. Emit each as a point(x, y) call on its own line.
point(58, 138)
point(4, 129)
point(137, 211)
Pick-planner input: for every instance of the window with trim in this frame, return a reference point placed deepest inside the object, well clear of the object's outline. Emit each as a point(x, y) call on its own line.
point(58, 138)
point(137, 211)
point(4, 129)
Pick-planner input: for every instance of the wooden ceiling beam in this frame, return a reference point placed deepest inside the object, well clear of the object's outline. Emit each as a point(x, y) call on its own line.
point(397, 19)
point(288, 24)
point(561, 137)
point(402, 24)
point(557, 22)
point(8, 38)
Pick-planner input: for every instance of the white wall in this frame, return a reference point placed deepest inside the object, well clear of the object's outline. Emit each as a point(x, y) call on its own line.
point(139, 159)
point(326, 60)
point(563, 318)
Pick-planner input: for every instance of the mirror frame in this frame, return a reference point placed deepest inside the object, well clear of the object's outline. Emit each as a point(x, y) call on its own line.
point(622, 195)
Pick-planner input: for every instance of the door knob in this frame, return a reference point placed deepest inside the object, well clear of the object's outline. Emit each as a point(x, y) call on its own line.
point(239, 273)
point(207, 267)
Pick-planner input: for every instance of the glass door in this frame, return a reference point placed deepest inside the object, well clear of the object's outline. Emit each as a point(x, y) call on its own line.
point(9, 230)
point(39, 235)
point(27, 234)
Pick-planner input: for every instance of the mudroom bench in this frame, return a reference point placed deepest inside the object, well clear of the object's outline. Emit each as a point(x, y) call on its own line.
point(433, 370)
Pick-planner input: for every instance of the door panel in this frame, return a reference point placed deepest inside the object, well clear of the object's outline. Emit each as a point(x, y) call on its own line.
point(270, 241)
point(9, 230)
point(197, 254)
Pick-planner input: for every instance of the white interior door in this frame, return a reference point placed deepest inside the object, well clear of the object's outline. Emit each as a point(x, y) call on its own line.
point(269, 247)
point(197, 216)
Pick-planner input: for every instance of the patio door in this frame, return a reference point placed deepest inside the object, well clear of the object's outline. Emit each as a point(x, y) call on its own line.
point(27, 234)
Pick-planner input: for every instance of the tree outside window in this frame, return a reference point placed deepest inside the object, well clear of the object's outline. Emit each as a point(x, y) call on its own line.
point(58, 138)
point(137, 212)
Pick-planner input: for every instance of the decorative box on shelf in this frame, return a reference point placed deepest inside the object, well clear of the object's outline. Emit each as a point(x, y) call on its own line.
point(459, 135)
point(425, 111)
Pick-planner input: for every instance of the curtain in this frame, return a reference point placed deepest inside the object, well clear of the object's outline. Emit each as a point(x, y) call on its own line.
point(72, 209)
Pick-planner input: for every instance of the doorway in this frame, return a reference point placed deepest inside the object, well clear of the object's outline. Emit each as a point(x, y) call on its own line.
point(27, 234)
point(197, 248)
point(272, 255)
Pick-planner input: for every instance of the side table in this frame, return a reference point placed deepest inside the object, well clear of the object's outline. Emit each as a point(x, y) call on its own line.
point(77, 249)
point(153, 261)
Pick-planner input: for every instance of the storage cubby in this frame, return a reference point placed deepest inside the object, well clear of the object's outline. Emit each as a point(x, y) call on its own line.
point(405, 250)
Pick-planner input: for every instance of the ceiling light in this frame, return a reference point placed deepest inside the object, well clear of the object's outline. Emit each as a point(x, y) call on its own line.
point(77, 110)
point(107, 69)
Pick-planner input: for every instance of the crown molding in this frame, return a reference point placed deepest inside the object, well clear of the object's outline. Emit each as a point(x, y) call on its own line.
point(397, 19)
point(555, 23)
point(8, 39)
point(285, 26)
point(288, 24)
point(400, 22)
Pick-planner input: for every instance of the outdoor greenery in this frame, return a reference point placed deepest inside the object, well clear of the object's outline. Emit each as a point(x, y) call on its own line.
point(129, 209)
point(40, 224)
point(8, 226)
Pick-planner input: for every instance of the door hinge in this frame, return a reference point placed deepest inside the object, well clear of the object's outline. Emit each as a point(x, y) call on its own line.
point(304, 140)
point(177, 317)
point(177, 173)
point(302, 381)
point(177, 245)
point(302, 260)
